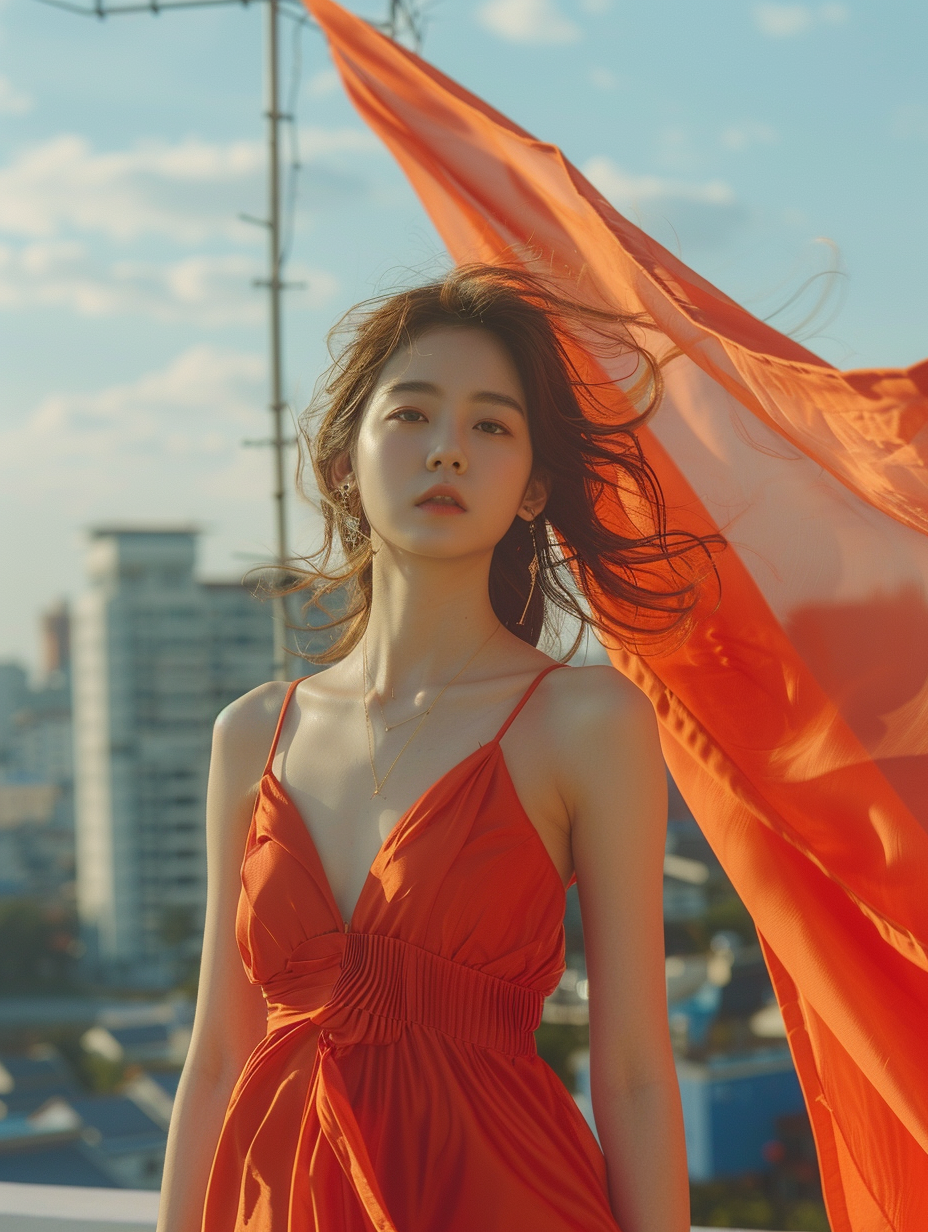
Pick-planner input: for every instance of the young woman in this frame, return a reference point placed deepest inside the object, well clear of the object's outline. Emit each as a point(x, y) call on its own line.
point(390, 839)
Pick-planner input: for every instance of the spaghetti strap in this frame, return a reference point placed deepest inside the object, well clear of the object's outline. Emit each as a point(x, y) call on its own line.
point(524, 698)
point(280, 721)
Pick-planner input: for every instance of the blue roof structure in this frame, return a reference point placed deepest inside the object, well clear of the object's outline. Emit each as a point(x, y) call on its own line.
point(64, 1164)
point(142, 1034)
point(121, 1123)
point(36, 1079)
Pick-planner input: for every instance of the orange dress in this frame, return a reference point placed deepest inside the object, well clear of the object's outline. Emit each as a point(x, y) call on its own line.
point(398, 1086)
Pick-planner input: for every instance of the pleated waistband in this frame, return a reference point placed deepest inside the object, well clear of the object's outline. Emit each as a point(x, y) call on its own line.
point(385, 983)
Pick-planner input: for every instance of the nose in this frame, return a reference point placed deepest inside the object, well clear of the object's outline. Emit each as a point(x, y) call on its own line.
point(447, 453)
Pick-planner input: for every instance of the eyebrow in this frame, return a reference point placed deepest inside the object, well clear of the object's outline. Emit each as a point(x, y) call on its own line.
point(427, 387)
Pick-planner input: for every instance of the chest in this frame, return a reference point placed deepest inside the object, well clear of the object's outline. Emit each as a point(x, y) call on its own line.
point(326, 772)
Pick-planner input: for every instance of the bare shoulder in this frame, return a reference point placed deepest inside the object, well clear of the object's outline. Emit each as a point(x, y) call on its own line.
point(252, 711)
point(606, 729)
point(586, 700)
point(243, 731)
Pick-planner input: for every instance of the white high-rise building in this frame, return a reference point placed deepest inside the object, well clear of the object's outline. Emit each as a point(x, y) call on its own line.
point(156, 656)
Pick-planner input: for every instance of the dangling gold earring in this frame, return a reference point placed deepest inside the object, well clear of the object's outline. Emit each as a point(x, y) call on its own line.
point(353, 535)
point(532, 572)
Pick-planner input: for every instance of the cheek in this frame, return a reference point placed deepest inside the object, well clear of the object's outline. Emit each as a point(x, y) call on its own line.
point(383, 463)
point(507, 473)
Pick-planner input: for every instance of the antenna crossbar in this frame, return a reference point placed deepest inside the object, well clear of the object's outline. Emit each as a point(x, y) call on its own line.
point(156, 7)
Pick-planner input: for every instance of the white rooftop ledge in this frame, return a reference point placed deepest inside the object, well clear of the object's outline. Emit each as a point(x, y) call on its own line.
point(76, 1208)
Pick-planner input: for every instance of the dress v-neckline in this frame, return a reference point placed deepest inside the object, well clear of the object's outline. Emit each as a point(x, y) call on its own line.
point(401, 821)
point(404, 817)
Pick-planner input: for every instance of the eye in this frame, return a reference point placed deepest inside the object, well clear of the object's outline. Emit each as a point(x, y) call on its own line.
point(498, 429)
point(406, 410)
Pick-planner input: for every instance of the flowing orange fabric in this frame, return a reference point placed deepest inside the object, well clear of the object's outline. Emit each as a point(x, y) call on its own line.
point(398, 1087)
point(795, 719)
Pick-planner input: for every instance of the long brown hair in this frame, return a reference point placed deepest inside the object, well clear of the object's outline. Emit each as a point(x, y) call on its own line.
point(583, 437)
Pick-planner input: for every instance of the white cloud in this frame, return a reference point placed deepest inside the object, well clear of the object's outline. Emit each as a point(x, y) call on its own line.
point(208, 290)
point(788, 20)
point(188, 192)
point(603, 78)
point(154, 188)
point(676, 149)
point(748, 133)
point(528, 21)
point(627, 191)
point(13, 101)
point(326, 81)
point(196, 409)
point(60, 198)
point(782, 20)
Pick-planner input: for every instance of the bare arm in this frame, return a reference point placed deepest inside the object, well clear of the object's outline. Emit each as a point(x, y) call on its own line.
point(615, 788)
point(231, 1014)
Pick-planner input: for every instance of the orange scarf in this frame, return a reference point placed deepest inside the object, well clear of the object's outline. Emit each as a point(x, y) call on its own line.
point(795, 718)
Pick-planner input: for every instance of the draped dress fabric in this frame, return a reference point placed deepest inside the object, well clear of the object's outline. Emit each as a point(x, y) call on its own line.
point(398, 1086)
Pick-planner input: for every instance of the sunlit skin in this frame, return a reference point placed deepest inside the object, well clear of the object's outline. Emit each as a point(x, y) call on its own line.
point(584, 760)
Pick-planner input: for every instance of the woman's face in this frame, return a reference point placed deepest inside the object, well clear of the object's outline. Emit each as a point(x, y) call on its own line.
point(450, 411)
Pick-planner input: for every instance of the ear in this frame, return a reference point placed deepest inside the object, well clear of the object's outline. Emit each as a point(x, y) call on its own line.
point(341, 468)
point(536, 497)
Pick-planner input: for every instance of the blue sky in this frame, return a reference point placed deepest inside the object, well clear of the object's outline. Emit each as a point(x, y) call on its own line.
point(764, 142)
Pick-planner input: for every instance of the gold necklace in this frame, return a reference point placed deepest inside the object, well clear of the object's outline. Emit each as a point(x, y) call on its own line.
point(390, 726)
point(425, 714)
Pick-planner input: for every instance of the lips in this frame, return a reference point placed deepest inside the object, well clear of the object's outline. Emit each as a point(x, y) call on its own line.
point(442, 496)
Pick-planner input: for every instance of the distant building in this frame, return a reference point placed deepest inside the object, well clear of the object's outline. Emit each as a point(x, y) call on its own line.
point(44, 734)
point(29, 1080)
point(56, 639)
point(239, 640)
point(157, 654)
point(54, 1133)
point(731, 1109)
point(142, 1034)
point(14, 689)
point(35, 722)
point(44, 737)
point(100, 1141)
point(125, 1141)
point(50, 1144)
point(36, 772)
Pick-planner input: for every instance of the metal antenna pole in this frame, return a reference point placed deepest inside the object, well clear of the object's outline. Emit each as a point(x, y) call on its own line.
point(277, 406)
point(403, 14)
